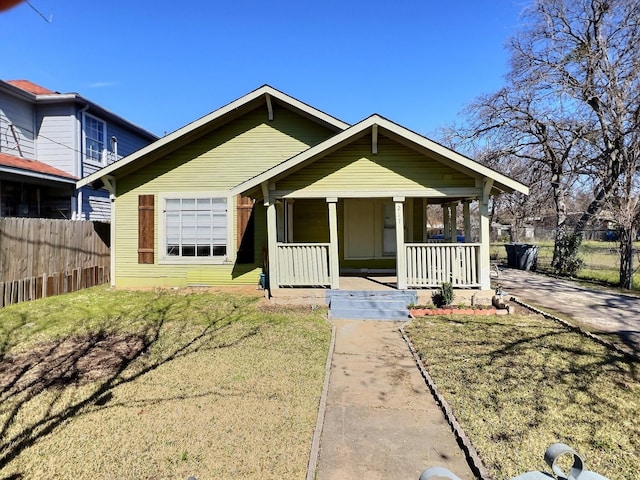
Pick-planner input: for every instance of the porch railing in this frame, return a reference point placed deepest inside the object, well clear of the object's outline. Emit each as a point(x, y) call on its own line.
point(303, 265)
point(431, 264)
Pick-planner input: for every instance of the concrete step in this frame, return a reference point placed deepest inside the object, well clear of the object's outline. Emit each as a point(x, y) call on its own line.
point(374, 304)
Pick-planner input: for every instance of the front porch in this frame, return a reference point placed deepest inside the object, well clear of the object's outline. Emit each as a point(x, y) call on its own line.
point(393, 241)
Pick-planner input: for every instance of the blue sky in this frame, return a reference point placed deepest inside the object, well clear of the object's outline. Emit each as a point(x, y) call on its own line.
point(163, 64)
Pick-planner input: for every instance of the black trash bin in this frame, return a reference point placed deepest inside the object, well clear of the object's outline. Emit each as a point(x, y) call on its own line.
point(511, 254)
point(522, 256)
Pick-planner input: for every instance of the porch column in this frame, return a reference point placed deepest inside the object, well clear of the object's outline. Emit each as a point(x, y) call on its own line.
point(484, 263)
point(334, 263)
point(401, 252)
point(272, 242)
point(454, 222)
point(425, 220)
point(446, 221)
point(467, 222)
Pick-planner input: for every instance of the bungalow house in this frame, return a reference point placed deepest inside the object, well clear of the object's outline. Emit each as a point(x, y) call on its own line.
point(270, 184)
point(48, 140)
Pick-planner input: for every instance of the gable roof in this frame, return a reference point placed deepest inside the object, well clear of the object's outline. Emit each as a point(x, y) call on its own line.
point(33, 168)
point(264, 95)
point(398, 133)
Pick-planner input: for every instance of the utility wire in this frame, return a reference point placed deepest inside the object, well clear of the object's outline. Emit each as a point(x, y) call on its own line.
point(48, 20)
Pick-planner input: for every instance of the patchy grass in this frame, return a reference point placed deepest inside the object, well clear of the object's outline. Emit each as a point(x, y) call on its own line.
point(520, 383)
point(117, 384)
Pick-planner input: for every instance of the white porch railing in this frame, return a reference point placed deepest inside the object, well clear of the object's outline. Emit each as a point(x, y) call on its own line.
point(430, 265)
point(303, 265)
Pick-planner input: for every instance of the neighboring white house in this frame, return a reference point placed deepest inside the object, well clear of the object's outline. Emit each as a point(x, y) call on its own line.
point(48, 140)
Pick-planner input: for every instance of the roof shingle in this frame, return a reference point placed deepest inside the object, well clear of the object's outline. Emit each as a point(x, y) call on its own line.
point(32, 166)
point(31, 87)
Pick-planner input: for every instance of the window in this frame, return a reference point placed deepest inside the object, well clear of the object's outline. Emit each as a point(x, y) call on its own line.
point(195, 227)
point(94, 138)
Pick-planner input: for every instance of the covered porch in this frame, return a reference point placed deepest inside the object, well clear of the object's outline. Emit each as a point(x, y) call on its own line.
point(375, 238)
point(357, 204)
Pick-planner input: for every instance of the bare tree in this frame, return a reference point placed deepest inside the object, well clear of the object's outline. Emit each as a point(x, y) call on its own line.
point(571, 104)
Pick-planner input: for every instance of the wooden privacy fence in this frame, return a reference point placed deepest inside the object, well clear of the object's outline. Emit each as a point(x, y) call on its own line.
point(48, 285)
point(43, 257)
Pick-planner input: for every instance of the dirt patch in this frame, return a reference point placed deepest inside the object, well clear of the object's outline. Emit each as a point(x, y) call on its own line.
point(73, 360)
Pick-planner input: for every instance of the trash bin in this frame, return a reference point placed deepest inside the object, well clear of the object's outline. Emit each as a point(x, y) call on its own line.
point(522, 256)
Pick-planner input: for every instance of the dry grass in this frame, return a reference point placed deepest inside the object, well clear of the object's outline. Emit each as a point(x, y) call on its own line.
point(520, 383)
point(156, 385)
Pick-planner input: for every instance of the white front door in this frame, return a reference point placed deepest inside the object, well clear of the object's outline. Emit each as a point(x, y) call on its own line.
point(370, 228)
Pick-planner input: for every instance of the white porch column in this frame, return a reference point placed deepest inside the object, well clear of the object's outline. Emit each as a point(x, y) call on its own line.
point(272, 242)
point(401, 251)
point(454, 222)
point(467, 222)
point(484, 262)
point(446, 221)
point(334, 263)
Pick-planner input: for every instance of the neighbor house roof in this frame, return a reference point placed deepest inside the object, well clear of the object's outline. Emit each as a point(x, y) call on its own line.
point(30, 87)
point(33, 168)
point(31, 92)
point(402, 135)
point(264, 95)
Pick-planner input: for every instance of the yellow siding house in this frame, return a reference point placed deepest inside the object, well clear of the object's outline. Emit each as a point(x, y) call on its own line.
point(268, 184)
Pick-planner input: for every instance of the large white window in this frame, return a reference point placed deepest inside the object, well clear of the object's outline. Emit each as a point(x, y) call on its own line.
point(195, 227)
point(95, 132)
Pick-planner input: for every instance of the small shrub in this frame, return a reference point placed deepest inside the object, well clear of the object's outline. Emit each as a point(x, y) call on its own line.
point(444, 295)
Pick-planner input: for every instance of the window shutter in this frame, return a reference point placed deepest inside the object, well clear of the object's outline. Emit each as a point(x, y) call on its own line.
point(245, 231)
point(145, 228)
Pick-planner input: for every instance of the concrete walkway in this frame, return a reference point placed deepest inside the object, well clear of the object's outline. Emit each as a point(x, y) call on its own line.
point(596, 310)
point(381, 421)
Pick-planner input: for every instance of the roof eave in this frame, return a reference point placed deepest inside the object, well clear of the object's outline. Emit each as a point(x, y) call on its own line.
point(202, 123)
point(38, 175)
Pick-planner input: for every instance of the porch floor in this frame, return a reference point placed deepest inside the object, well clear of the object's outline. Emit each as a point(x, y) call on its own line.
point(317, 296)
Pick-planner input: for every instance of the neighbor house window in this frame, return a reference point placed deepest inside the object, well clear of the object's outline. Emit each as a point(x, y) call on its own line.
point(94, 139)
point(195, 227)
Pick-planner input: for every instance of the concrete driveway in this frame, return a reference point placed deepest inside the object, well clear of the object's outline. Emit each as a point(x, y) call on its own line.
point(594, 309)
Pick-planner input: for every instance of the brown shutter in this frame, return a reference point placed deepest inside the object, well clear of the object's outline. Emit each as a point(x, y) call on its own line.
point(245, 237)
point(245, 205)
point(145, 228)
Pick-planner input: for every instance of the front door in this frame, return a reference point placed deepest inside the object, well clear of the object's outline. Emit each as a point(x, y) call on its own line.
point(370, 228)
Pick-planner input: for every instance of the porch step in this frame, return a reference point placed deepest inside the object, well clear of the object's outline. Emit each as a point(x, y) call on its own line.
point(370, 304)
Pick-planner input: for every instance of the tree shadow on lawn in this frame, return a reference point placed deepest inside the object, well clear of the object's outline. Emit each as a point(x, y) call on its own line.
point(106, 359)
point(513, 383)
point(550, 366)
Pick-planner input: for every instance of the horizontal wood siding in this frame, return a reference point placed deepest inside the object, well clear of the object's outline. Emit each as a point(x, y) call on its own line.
point(311, 220)
point(128, 141)
point(58, 142)
point(19, 113)
point(393, 169)
point(96, 205)
point(214, 163)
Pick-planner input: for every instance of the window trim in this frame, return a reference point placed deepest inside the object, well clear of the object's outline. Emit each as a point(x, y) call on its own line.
point(163, 258)
point(103, 155)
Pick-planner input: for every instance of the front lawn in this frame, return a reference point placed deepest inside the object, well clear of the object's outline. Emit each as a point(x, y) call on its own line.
point(115, 384)
point(519, 383)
